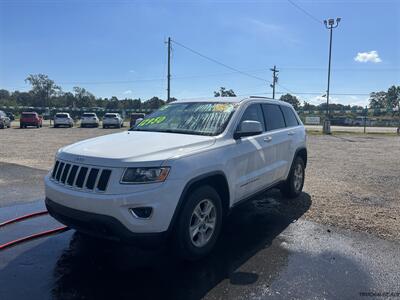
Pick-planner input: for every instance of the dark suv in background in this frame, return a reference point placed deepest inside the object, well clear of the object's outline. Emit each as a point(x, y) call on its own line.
point(5, 121)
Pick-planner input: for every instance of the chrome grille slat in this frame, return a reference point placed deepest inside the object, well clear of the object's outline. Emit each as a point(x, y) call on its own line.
point(65, 172)
point(72, 175)
point(59, 171)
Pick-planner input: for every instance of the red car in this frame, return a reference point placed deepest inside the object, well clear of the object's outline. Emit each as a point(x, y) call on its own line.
point(30, 119)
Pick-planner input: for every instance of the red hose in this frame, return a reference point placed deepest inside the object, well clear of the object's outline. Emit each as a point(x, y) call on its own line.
point(35, 214)
point(33, 236)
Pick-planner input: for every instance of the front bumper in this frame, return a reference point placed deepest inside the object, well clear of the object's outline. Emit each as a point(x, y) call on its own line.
point(62, 122)
point(162, 198)
point(89, 122)
point(111, 122)
point(102, 226)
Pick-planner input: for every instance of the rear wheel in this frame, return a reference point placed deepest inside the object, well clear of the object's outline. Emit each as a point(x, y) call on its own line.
point(199, 224)
point(293, 185)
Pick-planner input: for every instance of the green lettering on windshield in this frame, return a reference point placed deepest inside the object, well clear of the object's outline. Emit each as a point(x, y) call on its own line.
point(150, 121)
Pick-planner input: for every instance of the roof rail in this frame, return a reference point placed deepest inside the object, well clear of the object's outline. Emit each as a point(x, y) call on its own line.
point(261, 97)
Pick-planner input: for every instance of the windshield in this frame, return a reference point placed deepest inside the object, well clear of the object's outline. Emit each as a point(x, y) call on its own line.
point(202, 118)
point(28, 115)
point(61, 116)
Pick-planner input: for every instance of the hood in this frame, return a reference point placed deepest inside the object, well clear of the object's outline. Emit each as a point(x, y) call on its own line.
point(133, 147)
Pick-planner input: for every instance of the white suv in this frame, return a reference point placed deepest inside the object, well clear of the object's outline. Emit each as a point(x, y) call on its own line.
point(89, 119)
point(112, 120)
point(179, 172)
point(63, 119)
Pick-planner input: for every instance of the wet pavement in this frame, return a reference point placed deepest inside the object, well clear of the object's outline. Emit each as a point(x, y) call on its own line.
point(266, 251)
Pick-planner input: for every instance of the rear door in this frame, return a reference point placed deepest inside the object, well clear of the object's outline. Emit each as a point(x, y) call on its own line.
point(294, 131)
point(278, 142)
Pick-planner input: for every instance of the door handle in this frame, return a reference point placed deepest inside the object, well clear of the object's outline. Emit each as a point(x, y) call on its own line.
point(290, 133)
point(267, 139)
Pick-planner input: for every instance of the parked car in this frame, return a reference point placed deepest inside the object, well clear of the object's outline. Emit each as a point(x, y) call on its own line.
point(134, 118)
point(63, 119)
point(178, 173)
point(11, 116)
point(112, 120)
point(89, 120)
point(30, 119)
point(5, 121)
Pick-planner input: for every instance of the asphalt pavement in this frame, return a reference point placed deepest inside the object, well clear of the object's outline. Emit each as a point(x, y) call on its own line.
point(264, 252)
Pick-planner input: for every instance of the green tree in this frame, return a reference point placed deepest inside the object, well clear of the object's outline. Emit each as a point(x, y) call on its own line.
point(393, 97)
point(43, 88)
point(291, 99)
point(4, 94)
point(83, 97)
point(223, 92)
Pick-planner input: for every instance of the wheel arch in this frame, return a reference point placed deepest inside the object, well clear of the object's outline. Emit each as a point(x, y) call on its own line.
point(215, 179)
point(302, 152)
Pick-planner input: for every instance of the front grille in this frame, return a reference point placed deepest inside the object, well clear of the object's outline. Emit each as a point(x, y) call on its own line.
point(93, 179)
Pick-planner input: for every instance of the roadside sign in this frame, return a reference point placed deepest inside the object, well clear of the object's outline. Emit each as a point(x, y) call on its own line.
point(313, 120)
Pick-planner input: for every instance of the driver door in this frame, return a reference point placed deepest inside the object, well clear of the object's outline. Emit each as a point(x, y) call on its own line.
point(247, 165)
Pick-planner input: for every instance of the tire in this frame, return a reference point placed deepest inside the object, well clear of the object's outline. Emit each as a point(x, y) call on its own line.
point(37, 126)
point(293, 185)
point(195, 248)
point(104, 126)
point(55, 126)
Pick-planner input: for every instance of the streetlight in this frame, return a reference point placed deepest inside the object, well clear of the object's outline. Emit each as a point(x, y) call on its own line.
point(329, 24)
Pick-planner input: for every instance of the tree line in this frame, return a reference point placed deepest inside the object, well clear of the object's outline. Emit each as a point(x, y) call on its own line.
point(45, 92)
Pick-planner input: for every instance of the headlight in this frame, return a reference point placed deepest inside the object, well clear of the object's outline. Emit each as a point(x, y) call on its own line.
point(145, 175)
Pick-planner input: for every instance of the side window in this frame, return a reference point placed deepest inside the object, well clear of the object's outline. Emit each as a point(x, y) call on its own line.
point(253, 113)
point(273, 117)
point(290, 117)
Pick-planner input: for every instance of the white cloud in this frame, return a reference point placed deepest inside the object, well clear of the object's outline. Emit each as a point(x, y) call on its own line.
point(265, 27)
point(264, 30)
point(127, 92)
point(371, 56)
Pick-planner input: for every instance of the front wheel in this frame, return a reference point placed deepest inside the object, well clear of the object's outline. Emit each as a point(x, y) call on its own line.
point(293, 185)
point(199, 224)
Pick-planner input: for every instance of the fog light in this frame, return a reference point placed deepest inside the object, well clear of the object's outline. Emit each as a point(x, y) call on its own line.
point(141, 212)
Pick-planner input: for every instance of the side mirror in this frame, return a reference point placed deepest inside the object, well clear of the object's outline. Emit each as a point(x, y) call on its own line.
point(138, 121)
point(248, 128)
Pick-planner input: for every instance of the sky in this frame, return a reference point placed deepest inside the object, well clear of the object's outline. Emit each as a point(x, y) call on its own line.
point(117, 48)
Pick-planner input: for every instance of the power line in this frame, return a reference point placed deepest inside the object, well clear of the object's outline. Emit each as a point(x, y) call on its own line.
point(305, 12)
point(218, 62)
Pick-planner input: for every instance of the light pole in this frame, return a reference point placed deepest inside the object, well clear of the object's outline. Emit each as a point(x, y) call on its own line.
point(329, 24)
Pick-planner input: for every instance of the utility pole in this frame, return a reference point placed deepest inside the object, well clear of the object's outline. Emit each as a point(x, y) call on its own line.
point(169, 71)
point(329, 24)
point(275, 72)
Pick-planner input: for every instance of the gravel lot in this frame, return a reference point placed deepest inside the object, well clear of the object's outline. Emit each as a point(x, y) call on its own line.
point(353, 180)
